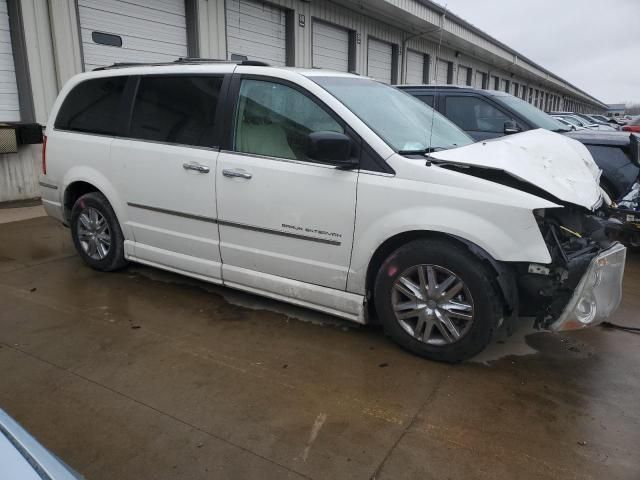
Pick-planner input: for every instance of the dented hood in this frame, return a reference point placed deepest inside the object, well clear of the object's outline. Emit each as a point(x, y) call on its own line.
point(559, 165)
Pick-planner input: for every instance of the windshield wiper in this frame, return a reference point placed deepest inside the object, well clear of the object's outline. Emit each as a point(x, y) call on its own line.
point(423, 151)
point(561, 130)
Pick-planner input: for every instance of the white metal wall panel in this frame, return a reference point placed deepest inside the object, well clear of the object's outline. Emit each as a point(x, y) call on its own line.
point(415, 68)
point(330, 46)
point(256, 30)
point(9, 105)
point(442, 71)
point(380, 60)
point(462, 74)
point(150, 31)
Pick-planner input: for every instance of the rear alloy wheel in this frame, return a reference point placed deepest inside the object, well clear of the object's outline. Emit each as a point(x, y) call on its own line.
point(432, 304)
point(438, 300)
point(96, 233)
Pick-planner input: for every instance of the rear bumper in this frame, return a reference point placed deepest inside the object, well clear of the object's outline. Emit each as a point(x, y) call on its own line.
point(598, 293)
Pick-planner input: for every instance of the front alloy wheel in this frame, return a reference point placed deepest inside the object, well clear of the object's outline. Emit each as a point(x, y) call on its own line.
point(432, 304)
point(437, 299)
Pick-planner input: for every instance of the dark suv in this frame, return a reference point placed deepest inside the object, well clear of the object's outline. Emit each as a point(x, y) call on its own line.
point(485, 114)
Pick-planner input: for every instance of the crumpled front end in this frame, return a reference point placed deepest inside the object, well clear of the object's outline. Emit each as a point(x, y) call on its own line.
point(582, 285)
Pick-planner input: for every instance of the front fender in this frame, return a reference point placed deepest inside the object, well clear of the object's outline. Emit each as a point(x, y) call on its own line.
point(495, 218)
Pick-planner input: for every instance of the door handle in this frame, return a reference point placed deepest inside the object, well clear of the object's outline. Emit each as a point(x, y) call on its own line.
point(236, 172)
point(196, 167)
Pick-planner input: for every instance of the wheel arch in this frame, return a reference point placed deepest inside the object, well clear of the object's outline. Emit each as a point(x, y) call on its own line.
point(505, 278)
point(81, 180)
point(72, 193)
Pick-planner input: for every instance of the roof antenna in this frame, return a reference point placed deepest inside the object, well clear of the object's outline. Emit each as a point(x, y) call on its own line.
point(435, 90)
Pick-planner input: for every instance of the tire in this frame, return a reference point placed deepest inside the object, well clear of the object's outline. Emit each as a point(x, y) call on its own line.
point(96, 233)
point(441, 261)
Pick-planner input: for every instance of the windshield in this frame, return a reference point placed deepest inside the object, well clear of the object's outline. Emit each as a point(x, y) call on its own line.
point(537, 118)
point(405, 123)
point(573, 121)
point(585, 118)
point(577, 120)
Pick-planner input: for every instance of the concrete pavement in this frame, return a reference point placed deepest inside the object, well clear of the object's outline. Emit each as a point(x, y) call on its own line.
point(146, 374)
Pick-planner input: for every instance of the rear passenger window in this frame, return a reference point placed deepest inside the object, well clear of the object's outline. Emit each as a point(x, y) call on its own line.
point(176, 109)
point(475, 114)
point(92, 106)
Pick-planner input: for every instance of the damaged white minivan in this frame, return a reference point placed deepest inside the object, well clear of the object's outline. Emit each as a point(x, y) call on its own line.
point(334, 192)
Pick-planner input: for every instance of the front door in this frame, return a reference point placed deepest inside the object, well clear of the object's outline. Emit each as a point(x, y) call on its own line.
point(168, 164)
point(281, 214)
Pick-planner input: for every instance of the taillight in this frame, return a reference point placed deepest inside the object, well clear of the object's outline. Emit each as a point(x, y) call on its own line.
point(44, 154)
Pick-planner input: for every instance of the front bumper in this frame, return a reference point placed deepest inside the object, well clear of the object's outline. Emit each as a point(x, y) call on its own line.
point(599, 292)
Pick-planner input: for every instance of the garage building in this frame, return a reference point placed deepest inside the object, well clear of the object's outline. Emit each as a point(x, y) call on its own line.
point(45, 42)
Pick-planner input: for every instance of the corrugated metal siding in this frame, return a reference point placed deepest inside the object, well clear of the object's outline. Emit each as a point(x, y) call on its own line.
point(19, 173)
point(330, 47)
point(380, 60)
point(149, 33)
point(256, 30)
point(9, 104)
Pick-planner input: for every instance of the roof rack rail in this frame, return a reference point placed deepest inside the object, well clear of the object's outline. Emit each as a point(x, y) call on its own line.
point(255, 63)
point(184, 61)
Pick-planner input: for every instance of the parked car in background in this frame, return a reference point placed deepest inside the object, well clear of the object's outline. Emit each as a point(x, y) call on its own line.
point(487, 114)
point(587, 119)
point(333, 192)
point(633, 125)
point(568, 119)
point(584, 122)
point(605, 120)
point(572, 126)
point(22, 457)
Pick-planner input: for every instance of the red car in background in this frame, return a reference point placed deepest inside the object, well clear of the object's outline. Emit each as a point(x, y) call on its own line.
point(633, 125)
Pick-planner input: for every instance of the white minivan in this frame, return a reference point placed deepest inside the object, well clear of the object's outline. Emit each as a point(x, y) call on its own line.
point(333, 192)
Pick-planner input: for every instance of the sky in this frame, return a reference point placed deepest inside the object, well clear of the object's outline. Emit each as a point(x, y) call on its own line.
point(593, 44)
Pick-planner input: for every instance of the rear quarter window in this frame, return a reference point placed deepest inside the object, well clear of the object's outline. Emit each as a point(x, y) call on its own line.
point(92, 106)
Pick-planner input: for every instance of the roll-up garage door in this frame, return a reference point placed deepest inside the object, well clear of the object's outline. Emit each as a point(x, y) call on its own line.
point(442, 72)
point(257, 31)
point(480, 80)
point(380, 60)
point(462, 75)
point(415, 68)
point(132, 31)
point(9, 106)
point(330, 47)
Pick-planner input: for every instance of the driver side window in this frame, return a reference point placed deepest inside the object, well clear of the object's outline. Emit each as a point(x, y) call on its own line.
point(274, 120)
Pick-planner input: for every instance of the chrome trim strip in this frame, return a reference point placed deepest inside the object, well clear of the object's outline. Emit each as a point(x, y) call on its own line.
point(173, 212)
point(278, 232)
point(280, 159)
point(48, 185)
point(378, 174)
point(244, 226)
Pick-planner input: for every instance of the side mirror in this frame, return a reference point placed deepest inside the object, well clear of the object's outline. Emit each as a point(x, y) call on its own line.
point(511, 127)
point(330, 147)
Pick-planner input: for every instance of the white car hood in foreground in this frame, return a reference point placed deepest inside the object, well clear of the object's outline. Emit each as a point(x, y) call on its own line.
point(557, 164)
